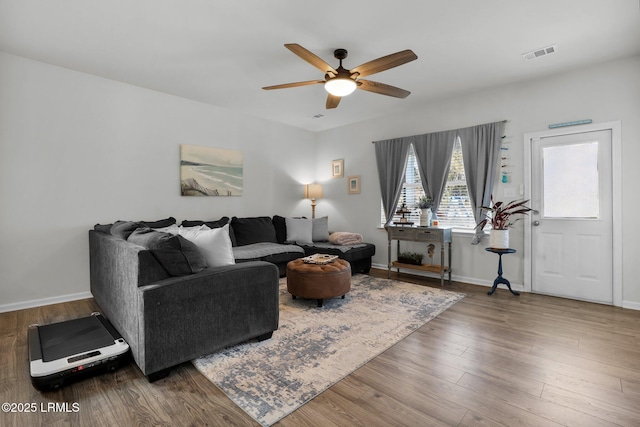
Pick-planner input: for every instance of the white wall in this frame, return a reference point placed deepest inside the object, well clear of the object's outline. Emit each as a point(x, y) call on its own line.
point(606, 92)
point(77, 149)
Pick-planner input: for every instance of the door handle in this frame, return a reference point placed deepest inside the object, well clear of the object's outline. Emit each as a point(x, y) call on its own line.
point(536, 223)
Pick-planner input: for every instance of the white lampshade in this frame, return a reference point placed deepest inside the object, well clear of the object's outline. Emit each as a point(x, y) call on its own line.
point(340, 86)
point(313, 191)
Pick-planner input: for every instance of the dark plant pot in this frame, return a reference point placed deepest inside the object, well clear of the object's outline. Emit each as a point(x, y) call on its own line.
point(408, 261)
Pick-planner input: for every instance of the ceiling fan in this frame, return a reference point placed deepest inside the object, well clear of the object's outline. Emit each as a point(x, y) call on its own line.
point(341, 82)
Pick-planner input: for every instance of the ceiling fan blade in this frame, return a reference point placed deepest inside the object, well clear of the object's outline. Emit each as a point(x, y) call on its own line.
point(383, 89)
point(333, 101)
point(384, 63)
point(311, 58)
point(286, 85)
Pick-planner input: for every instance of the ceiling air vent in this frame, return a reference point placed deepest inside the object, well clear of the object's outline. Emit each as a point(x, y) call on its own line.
point(540, 52)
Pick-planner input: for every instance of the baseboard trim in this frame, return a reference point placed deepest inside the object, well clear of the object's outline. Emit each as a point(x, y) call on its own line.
point(463, 279)
point(632, 305)
point(4, 308)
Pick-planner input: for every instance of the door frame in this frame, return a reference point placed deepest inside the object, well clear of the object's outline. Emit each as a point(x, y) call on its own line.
point(616, 182)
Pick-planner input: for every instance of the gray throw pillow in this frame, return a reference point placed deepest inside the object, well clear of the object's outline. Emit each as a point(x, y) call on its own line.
point(300, 231)
point(123, 229)
point(176, 254)
point(320, 229)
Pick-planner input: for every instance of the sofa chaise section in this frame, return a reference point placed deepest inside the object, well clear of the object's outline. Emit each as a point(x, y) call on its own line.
point(359, 256)
point(317, 241)
point(275, 253)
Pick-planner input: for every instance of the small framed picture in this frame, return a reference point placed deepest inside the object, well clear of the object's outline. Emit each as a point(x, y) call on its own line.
point(337, 168)
point(353, 183)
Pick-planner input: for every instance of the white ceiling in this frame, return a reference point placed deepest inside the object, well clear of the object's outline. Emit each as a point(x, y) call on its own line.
point(222, 53)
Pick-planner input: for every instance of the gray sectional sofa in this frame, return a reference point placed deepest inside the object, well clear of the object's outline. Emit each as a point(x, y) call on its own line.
point(171, 305)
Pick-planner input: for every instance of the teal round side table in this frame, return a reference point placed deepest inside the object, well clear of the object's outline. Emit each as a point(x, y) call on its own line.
point(500, 279)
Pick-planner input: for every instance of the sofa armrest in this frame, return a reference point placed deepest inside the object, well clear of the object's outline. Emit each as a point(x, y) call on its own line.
point(116, 269)
point(191, 316)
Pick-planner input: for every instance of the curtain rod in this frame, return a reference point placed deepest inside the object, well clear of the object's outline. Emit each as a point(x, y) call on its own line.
point(503, 121)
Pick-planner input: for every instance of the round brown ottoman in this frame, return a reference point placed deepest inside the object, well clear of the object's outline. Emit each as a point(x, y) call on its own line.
point(318, 281)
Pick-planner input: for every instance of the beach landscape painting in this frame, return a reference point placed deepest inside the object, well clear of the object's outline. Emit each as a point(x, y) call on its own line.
point(207, 171)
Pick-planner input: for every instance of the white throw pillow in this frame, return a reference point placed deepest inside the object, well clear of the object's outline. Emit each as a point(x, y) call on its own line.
point(172, 229)
point(175, 229)
point(214, 243)
point(320, 230)
point(194, 228)
point(299, 230)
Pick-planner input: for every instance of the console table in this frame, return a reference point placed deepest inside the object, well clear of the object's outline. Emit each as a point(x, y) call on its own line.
point(440, 235)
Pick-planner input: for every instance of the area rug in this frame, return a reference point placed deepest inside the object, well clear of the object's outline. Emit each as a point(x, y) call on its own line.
point(315, 347)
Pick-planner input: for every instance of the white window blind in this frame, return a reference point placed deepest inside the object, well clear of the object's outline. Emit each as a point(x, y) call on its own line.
point(411, 192)
point(455, 208)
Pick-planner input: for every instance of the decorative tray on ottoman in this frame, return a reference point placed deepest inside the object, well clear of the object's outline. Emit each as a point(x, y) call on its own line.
point(319, 259)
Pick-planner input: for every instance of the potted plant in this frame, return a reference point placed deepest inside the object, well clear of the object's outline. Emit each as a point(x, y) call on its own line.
point(424, 204)
point(502, 216)
point(413, 258)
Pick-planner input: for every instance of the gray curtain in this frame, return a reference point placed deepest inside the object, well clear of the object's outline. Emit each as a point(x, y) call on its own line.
point(391, 158)
point(480, 154)
point(433, 152)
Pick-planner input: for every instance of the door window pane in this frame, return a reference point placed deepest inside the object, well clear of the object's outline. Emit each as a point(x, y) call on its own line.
point(570, 183)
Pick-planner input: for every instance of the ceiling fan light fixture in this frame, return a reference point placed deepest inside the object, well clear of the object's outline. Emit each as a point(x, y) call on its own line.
point(340, 86)
point(340, 82)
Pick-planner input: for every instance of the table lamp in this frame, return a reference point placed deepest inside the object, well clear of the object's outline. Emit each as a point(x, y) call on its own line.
point(313, 192)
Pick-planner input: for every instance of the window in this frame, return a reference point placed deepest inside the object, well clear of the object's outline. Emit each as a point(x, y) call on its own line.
point(455, 207)
point(570, 181)
point(411, 191)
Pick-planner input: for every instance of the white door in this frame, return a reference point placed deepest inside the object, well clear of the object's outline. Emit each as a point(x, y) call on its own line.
point(572, 221)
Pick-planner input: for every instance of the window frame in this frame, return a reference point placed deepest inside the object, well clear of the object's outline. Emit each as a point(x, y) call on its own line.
point(412, 191)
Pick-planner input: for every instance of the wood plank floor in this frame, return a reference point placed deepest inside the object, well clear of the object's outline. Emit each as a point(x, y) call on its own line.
point(497, 360)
